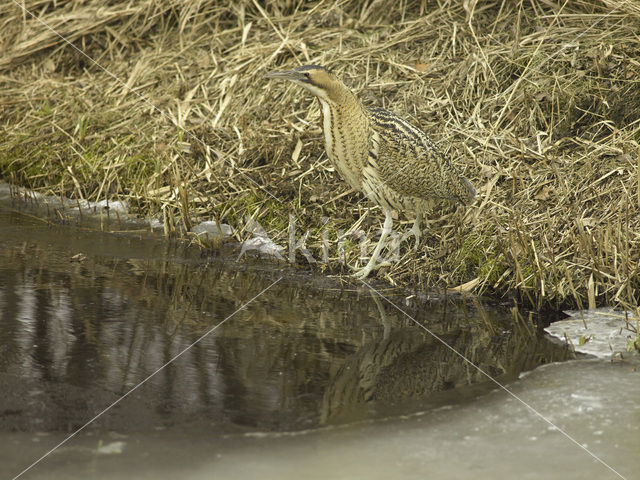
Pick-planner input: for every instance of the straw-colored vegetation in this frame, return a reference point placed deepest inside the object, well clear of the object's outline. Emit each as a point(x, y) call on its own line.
point(536, 101)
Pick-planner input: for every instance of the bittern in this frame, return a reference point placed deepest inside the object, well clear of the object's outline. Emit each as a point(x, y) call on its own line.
point(380, 154)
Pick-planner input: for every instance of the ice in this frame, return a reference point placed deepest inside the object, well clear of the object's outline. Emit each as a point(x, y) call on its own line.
point(602, 332)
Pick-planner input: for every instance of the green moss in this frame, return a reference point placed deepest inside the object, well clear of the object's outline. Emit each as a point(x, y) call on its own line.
point(45, 110)
point(476, 252)
point(492, 268)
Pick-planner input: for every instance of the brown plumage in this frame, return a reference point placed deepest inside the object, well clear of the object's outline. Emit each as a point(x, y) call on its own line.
point(380, 154)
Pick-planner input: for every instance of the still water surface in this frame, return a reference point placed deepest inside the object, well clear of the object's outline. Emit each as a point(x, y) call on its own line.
point(310, 369)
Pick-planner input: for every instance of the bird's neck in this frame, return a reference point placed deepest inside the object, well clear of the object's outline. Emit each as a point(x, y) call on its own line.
point(343, 100)
point(346, 132)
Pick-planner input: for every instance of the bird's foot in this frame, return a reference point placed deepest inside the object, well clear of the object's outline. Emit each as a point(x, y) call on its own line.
point(416, 233)
point(372, 263)
point(364, 272)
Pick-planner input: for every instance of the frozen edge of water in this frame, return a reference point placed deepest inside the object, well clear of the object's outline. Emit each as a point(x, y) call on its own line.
point(601, 332)
point(206, 230)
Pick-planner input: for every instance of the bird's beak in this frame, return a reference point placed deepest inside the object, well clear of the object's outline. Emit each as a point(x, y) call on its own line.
point(287, 75)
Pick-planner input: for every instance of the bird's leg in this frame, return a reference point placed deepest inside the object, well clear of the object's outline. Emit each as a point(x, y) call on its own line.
point(386, 324)
point(371, 265)
point(415, 231)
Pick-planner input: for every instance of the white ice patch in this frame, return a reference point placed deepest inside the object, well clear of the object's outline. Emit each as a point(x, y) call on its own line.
point(601, 332)
point(66, 206)
point(119, 206)
point(260, 241)
point(209, 229)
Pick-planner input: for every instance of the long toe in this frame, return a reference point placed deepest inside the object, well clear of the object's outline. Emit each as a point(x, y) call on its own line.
point(367, 269)
point(362, 273)
point(412, 233)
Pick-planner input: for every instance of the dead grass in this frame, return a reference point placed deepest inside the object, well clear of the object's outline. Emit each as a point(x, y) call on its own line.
point(536, 101)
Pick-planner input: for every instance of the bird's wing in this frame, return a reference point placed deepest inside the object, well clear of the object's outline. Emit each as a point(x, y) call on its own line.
point(408, 161)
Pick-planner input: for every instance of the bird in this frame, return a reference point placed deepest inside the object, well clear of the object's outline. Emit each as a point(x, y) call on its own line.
point(392, 162)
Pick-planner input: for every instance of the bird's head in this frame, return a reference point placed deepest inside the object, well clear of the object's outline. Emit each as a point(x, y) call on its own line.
point(317, 80)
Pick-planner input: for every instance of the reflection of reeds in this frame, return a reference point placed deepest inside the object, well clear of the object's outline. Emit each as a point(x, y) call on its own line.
point(94, 325)
point(536, 103)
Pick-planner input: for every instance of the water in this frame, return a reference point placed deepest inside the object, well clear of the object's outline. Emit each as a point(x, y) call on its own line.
point(495, 436)
point(311, 376)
